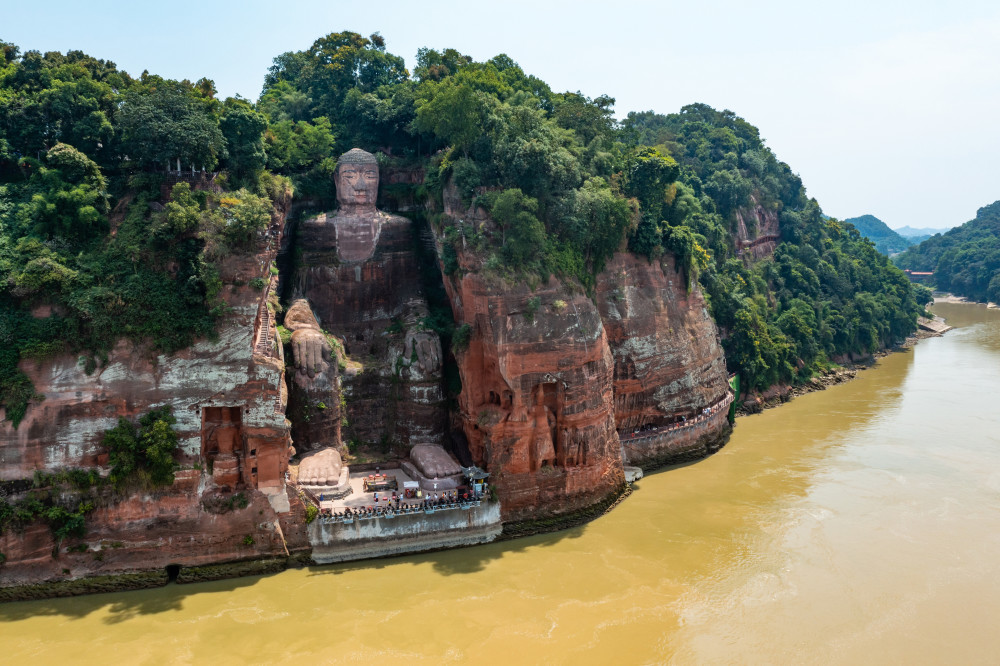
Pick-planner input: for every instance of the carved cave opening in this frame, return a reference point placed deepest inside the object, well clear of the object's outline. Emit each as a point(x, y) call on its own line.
point(222, 443)
point(547, 401)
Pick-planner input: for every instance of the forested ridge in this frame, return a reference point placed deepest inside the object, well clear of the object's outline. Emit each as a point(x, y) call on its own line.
point(878, 232)
point(966, 259)
point(84, 148)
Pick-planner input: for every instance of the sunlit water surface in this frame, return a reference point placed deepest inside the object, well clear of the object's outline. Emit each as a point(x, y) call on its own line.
point(860, 524)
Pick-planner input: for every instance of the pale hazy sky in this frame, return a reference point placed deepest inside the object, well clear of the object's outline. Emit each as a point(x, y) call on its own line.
point(886, 108)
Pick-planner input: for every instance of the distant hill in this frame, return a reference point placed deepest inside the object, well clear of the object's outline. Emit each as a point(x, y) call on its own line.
point(966, 259)
point(917, 236)
point(910, 232)
point(886, 240)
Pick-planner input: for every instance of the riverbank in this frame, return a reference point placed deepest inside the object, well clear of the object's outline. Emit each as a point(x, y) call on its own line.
point(846, 370)
point(345, 543)
point(952, 298)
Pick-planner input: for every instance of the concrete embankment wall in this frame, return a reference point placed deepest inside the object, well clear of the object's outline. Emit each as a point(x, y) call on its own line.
point(382, 537)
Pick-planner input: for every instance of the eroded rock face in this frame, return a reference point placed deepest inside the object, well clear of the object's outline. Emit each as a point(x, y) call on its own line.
point(537, 399)
point(757, 231)
point(536, 402)
point(550, 380)
point(176, 526)
point(228, 396)
point(667, 358)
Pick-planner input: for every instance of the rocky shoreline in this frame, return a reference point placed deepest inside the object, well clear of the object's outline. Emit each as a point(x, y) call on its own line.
point(780, 394)
point(951, 298)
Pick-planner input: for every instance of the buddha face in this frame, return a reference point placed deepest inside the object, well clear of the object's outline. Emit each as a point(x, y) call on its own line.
point(357, 184)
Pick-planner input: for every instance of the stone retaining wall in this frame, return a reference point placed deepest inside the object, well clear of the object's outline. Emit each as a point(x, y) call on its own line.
point(382, 537)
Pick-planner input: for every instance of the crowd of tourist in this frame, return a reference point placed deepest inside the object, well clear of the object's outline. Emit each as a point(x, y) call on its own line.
point(680, 422)
point(397, 505)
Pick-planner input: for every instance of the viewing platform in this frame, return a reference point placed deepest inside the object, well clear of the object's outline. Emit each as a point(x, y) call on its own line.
point(357, 526)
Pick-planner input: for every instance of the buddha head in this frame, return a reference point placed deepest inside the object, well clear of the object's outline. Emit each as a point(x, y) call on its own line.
point(356, 178)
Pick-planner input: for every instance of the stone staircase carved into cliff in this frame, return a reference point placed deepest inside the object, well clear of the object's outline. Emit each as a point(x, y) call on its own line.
point(744, 246)
point(264, 344)
point(428, 242)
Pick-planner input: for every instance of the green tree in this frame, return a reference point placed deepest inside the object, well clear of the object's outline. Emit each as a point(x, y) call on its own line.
point(690, 256)
point(599, 222)
point(122, 443)
point(589, 118)
point(243, 129)
point(434, 65)
point(166, 121)
point(144, 453)
point(524, 234)
point(453, 112)
point(297, 147)
point(69, 198)
point(334, 65)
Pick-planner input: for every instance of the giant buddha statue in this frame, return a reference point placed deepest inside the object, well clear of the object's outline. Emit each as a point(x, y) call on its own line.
point(357, 221)
point(358, 279)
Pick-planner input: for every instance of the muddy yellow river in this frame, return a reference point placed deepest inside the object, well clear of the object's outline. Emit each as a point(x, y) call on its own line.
point(855, 525)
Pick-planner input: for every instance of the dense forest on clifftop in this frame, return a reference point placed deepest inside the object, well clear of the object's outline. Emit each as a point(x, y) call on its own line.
point(87, 247)
point(965, 260)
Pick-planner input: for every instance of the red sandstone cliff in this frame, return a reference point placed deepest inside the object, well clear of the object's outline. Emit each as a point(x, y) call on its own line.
point(550, 379)
point(151, 531)
point(668, 361)
point(536, 401)
point(228, 396)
